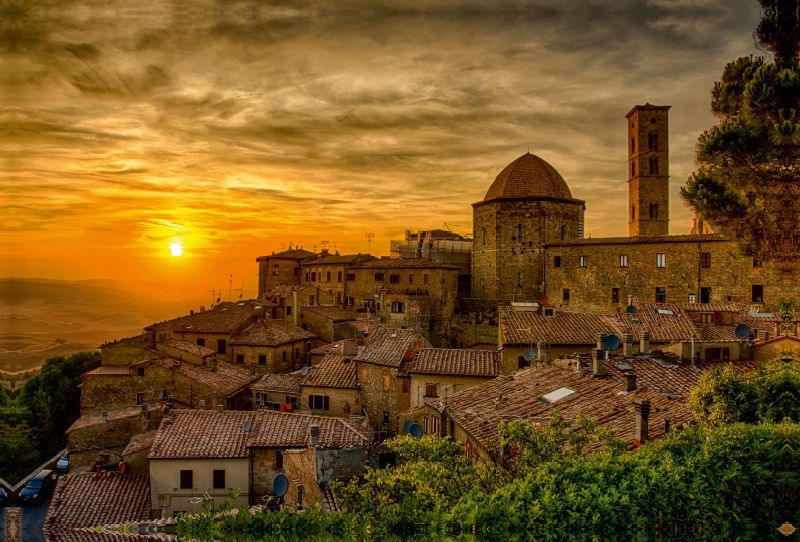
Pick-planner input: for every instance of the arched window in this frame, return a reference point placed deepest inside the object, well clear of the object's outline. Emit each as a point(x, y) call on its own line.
point(652, 141)
point(563, 231)
point(519, 233)
point(633, 169)
point(274, 269)
point(654, 166)
point(633, 212)
point(633, 144)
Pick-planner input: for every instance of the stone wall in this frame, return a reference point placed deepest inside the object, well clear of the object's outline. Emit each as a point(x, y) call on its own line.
point(126, 351)
point(447, 385)
point(110, 438)
point(268, 278)
point(376, 398)
point(771, 350)
point(320, 325)
point(342, 402)
point(646, 188)
point(264, 471)
point(137, 462)
point(299, 465)
point(278, 359)
point(475, 322)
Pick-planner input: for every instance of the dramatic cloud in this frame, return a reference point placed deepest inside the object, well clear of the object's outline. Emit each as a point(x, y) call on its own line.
point(238, 126)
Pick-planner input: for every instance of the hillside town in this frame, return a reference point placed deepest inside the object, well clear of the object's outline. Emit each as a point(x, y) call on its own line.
point(454, 334)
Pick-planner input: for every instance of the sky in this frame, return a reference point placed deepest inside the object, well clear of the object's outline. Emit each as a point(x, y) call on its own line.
point(225, 130)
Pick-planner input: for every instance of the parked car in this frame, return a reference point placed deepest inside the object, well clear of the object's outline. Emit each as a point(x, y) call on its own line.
point(3, 496)
point(62, 467)
point(38, 488)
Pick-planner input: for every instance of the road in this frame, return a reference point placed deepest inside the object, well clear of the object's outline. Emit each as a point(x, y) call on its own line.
point(32, 522)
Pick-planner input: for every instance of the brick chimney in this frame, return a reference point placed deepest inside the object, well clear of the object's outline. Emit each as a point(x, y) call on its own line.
point(13, 524)
point(252, 368)
point(541, 348)
point(627, 341)
point(214, 365)
point(601, 339)
point(642, 410)
point(644, 343)
point(597, 359)
point(314, 429)
point(630, 381)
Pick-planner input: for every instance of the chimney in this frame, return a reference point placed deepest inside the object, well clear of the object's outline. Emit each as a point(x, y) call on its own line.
point(314, 435)
point(104, 416)
point(191, 312)
point(366, 339)
point(601, 339)
point(202, 308)
point(644, 343)
point(541, 351)
point(220, 408)
point(201, 403)
point(361, 348)
point(642, 410)
point(169, 401)
point(13, 523)
point(214, 365)
point(630, 381)
point(252, 368)
point(597, 358)
point(627, 341)
point(213, 400)
point(144, 407)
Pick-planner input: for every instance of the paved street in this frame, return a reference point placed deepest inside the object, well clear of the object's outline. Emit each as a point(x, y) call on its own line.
point(32, 521)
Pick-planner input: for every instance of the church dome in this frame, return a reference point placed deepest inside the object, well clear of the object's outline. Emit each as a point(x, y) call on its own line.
point(528, 177)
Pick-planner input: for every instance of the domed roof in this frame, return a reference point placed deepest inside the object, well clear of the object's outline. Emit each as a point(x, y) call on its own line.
point(528, 177)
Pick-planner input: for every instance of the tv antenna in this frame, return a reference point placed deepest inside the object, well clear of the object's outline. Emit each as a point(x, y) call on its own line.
point(334, 245)
point(324, 244)
point(213, 295)
point(240, 290)
point(369, 237)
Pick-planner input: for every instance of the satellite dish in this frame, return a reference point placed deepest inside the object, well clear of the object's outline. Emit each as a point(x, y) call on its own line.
point(631, 309)
point(310, 327)
point(417, 343)
point(377, 318)
point(742, 331)
point(304, 370)
point(248, 424)
point(161, 395)
point(407, 425)
point(530, 354)
point(612, 342)
point(416, 327)
point(409, 354)
point(415, 430)
point(280, 485)
point(545, 300)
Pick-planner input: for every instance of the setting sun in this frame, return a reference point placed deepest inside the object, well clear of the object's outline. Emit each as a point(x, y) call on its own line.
point(176, 249)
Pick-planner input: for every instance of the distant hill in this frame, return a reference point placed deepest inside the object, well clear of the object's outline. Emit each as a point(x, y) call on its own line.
point(41, 318)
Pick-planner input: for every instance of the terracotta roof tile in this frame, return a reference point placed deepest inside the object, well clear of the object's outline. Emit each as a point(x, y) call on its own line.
point(81, 503)
point(224, 318)
point(340, 259)
point(333, 371)
point(714, 333)
point(389, 346)
point(271, 333)
point(665, 322)
point(227, 379)
point(528, 176)
point(403, 263)
point(139, 443)
point(345, 347)
point(332, 313)
point(194, 349)
point(286, 430)
point(197, 434)
point(456, 362)
point(659, 239)
point(710, 307)
point(563, 327)
point(488, 347)
point(292, 254)
point(122, 413)
point(288, 383)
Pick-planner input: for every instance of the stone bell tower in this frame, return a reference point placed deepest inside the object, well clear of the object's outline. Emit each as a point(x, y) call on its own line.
point(648, 170)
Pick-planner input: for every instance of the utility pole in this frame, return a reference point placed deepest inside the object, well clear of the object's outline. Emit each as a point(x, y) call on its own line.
point(369, 241)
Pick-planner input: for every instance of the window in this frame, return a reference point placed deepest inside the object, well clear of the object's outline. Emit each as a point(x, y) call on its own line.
point(219, 479)
point(563, 232)
point(435, 425)
point(275, 270)
point(583, 261)
point(410, 279)
point(615, 295)
point(549, 312)
point(139, 397)
point(385, 417)
point(318, 402)
point(338, 298)
point(652, 141)
point(758, 293)
point(288, 310)
point(555, 395)
point(351, 277)
point(519, 233)
point(262, 359)
point(580, 230)
point(432, 389)
point(633, 144)
point(313, 276)
point(556, 261)
point(306, 276)
point(566, 294)
point(398, 307)
point(522, 362)
point(406, 385)
point(705, 295)
point(633, 169)
point(661, 294)
point(483, 235)
point(239, 358)
point(425, 425)
point(278, 459)
point(692, 297)
point(661, 260)
point(623, 260)
point(296, 271)
point(425, 278)
point(187, 479)
point(705, 260)
point(297, 353)
point(394, 279)
point(757, 263)
point(311, 300)
point(300, 496)
point(140, 371)
point(222, 346)
point(633, 212)
point(378, 277)
point(327, 276)
point(338, 276)
point(350, 301)
point(284, 355)
point(201, 342)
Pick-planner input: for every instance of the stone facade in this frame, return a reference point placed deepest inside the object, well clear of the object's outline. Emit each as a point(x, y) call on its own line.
point(384, 395)
point(283, 358)
point(342, 402)
point(445, 386)
point(648, 170)
point(772, 349)
point(281, 268)
point(126, 351)
point(265, 469)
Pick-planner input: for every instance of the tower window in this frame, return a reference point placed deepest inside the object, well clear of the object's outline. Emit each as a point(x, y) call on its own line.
point(615, 295)
point(583, 261)
point(758, 293)
point(654, 211)
point(556, 261)
point(483, 281)
point(633, 212)
point(661, 259)
point(580, 230)
point(565, 295)
point(652, 141)
point(661, 294)
point(623, 260)
point(633, 144)
point(563, 231)
point(705, 295)
point(705, 260)
point(653, 166)
point(633, 169)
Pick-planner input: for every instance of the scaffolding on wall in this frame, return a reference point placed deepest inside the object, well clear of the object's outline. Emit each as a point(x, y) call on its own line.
point(439, 245)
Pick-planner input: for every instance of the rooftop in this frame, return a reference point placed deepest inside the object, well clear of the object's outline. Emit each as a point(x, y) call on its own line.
point(190, 348)
point(286, 383)
point(227, 379)
point(81, 503)
point(335, 259)
point(286, 430)
point(333, 371)
point(389, 346)
point(456, 362)
point(331, 312)
point(404, 263)
point(91, 420)
point(224, 318)
point(528, 177)
point(139, 443)
point(271, 332)
point(345, 347)
point(291, 254)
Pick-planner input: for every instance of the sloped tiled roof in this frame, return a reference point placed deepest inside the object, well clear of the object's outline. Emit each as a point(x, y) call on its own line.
point(489, 347)
point(271, 333)
point(139, 443)
point(480, 409)
point(281, 290)
point(81, 503)
point(528, 177)
point(331, 312)
point(710, 307)
point(658, 239)
point(227, 379)
point(286, 430)
point(191, 348)
point(760, 323)
point(345, 347)
point(714, 333)
point(333, 371)
point(288, 383)
point(293, 254)
point(337, 259)
point(563, 327)
point(122, 413)
point(224, 318)
point(403, 263)
point(199, 434)
point(388, 346)
point(456, 362)
point(656, 318)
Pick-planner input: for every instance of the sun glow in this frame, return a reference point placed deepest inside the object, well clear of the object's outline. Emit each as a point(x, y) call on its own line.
point(176, 249)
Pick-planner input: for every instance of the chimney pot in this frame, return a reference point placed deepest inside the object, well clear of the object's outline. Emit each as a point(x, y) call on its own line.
point(630, 382)
point(597, 358)
point(642, 410)
point(601, 339)
point(627, 341)
point(314, 429)
point(644, 343)
point(214, 365)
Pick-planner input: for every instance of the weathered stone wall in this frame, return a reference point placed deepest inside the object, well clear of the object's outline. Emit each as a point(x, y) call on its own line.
point(730, 277)
point(336, 286)
point(320, 326)
point(344, 463)
point(342, 402)
point(211, 341)
point(300, 465)
point(508, 267)
point(269, 277)
point(771, 350)
point(447, 386)
point(377, 399)
point(264, 472)
point(126, 351)
point(475, 322)
point(137, 462)
point(646, 188)
point(279, 359)
point(109, 438)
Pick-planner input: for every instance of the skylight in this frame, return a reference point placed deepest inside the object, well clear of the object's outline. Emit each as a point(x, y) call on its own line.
point(556, 395)
point(665, 311)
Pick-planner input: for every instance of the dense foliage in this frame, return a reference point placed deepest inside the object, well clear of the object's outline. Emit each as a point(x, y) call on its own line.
point(32, 425)
point(748, 180)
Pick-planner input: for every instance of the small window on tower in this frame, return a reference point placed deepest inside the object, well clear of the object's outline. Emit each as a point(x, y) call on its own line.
point(705, 260)
point(566, 295)
point(651, 211)
point(655, 211)
point(633, 212)
point(653, 166)
point(633, 144)
point(563, 232)
point(652, 141)
point(633, 169)
point(615, 295)
point(556, 261)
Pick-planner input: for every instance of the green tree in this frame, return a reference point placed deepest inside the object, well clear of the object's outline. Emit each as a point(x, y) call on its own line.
point(5, 399)
point(18, 453)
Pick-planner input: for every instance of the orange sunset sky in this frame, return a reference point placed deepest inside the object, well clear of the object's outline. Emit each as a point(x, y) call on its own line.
point(232, 128)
